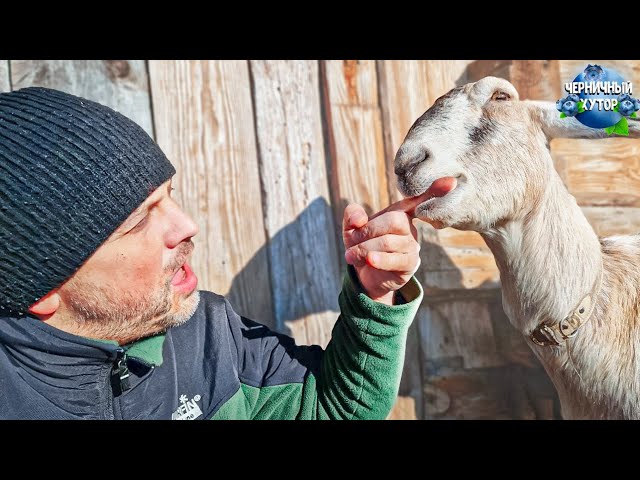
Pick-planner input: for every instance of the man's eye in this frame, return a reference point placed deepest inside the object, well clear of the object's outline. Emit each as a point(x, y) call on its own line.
point(140, 224)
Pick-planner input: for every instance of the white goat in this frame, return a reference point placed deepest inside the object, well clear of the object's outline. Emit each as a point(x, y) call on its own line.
point(485, 156)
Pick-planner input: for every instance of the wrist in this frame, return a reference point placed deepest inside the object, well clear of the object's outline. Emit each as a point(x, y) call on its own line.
point(388, 298)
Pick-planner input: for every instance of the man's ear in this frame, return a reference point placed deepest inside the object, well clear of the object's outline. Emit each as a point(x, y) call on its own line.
point(47, 305)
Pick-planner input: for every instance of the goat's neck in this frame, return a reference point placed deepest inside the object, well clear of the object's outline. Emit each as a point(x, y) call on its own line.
point(549, 258)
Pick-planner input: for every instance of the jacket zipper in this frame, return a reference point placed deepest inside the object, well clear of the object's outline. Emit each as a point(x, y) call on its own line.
point(118, 381)
point(120, 373)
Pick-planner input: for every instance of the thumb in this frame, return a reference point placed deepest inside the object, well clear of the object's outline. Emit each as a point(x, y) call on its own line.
point(354, 217)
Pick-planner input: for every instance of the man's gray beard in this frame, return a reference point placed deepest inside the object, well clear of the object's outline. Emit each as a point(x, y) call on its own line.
point(102, 313)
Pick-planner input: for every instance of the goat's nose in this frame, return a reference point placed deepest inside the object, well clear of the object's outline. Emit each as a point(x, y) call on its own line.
point(405, 161)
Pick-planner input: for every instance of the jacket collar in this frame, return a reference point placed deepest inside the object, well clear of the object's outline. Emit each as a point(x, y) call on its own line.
point(30, 333)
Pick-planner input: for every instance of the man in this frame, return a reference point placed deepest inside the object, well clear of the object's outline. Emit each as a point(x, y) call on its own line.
point(100, 317)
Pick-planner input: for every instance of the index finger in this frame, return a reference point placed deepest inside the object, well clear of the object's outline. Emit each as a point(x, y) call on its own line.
point(438, 188)
point(407, 205)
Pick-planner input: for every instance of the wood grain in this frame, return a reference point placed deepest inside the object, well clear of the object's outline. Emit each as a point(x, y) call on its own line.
point(298, 217)
point(600, 172)
point(500, 393)
point(120, 84)
point(537, 79)
point(608, 221)
point(354, 126)
point(204, 120)
point(494, 375)
point(478, 69)
point(459, 329)
point(5, 85)
point(453, 259)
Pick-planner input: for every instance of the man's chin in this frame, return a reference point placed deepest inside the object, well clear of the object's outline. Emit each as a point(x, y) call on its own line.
point(183, 308)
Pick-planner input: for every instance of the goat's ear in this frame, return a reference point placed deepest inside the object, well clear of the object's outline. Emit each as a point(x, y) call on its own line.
point(548, 117)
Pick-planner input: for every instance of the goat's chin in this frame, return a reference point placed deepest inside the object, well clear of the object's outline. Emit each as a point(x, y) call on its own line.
point(441, 212)
point(432, 216)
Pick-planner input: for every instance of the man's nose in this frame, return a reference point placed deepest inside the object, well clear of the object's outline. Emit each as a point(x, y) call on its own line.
point(183, 228)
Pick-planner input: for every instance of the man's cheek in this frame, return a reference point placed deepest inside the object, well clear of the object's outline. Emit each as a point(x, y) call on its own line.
point(145, 274)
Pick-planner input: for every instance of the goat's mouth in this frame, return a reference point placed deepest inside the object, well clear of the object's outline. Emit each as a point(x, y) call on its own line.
point(441, 187)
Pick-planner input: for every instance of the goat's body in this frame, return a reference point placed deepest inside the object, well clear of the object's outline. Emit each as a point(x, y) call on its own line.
point(497, 150)
point(546, 267)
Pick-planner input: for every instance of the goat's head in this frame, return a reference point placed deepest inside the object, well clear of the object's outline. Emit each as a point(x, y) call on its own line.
point(483, 154)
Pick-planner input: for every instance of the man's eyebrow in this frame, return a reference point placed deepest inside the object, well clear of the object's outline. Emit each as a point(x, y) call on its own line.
point(140, 211)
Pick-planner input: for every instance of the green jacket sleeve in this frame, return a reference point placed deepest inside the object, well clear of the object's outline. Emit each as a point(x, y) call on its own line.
point(356, 377)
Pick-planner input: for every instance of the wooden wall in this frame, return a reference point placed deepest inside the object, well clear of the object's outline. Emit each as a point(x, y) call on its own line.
point(268, 155)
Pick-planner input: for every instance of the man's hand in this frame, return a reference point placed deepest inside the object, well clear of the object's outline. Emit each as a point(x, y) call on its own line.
point(383, 249)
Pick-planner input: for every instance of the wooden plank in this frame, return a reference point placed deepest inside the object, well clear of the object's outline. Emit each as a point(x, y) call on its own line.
point(608, 221)
point(5, 85)
point(357, 174)
point(461, 329)
point(480, 394)
point(121, 84)
point(298, 217)
point(204, 121)
point(464, 379)
point(600, 172)
point(537, 79)
point(354, 127)
point(478, 69)
point(453, 259)
point(454, 393)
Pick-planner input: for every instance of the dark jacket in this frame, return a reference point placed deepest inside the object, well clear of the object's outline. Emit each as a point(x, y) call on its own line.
point(218, 365)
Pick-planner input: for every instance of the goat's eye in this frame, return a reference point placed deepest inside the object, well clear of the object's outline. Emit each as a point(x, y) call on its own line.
point(500, 96)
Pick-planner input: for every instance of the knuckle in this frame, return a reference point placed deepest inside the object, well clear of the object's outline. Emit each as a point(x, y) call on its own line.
point(398, 217)
point(354, 237)
point(358, 251)
point(400, 222)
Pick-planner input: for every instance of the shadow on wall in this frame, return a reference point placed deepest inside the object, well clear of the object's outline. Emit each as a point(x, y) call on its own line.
point(464, 360)
point(474, 363)
point(303, 277)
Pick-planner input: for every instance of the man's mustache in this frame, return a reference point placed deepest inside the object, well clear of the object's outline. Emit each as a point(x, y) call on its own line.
point(186, 249)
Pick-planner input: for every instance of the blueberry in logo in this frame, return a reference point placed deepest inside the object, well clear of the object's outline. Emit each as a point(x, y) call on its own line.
point(594, 73)
point(600, 98)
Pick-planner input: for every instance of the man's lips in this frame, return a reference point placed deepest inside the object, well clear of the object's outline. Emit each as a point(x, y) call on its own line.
point(184, 279)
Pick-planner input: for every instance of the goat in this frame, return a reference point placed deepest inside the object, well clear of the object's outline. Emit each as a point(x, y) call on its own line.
point(484, 154)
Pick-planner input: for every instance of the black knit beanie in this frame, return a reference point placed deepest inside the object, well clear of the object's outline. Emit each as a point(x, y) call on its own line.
point(71, 171)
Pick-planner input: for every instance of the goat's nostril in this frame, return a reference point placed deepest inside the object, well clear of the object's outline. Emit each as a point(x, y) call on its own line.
point(407, 164)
